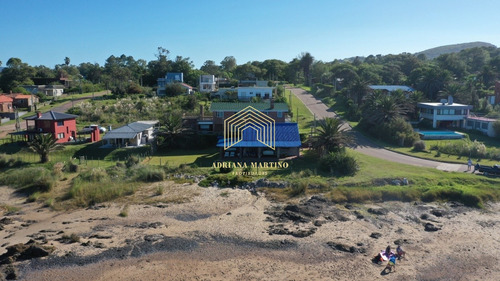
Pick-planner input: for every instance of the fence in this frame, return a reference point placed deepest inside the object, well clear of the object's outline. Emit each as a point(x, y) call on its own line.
point(28, 157)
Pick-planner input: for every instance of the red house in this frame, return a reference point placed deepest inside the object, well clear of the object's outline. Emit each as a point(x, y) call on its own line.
point(62, 126)
point(6, 104)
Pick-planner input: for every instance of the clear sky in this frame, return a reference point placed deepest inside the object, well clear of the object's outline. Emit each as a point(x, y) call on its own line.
point(43, 32)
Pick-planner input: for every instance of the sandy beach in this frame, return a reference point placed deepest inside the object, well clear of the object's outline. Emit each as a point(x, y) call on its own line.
point(231, 234)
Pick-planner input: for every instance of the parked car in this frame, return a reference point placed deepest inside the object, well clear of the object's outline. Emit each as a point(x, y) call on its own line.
point(101, 129)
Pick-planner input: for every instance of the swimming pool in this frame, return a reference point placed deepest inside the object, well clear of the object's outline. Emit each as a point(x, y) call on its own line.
point(439, 135)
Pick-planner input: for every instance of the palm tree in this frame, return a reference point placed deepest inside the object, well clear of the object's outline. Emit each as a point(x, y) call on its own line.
point(382, 108)
point(43, 144)
point(172, 125)
point(359, 89)
point(330, 137)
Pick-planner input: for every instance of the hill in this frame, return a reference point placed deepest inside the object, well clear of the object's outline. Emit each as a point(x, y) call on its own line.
point(454, 48)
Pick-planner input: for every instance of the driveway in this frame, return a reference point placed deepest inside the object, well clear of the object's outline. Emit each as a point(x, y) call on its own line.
point(365, 145)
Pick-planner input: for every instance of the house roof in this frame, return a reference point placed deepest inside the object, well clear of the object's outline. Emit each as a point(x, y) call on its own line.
point(443, 105)
point(392, 88)
point(5, 99)
point(51, 115)
point(287, 135)
point(186, 86)
point(130, 130)
point(237, 106)
point(21, 96)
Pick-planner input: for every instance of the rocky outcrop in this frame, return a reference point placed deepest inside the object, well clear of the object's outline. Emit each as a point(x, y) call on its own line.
point(20, 252)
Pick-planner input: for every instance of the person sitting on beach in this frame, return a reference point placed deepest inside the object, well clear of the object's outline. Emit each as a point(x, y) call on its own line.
point(388, 251)
point(400, 253)
point(391, 265)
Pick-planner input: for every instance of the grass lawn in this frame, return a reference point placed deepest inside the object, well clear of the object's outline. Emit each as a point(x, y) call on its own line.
point(202, 158)
point(374, 182)
point(443, 157)
point(306, 118)
point(89, 154)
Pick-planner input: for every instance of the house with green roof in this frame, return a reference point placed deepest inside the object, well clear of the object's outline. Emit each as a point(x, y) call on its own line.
point(278, 111)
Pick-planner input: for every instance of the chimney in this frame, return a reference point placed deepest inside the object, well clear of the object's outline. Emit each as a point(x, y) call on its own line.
point(38, 114)
point(450, 100)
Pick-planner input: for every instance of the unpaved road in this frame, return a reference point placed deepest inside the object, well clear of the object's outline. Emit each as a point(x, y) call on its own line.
point(366, 146)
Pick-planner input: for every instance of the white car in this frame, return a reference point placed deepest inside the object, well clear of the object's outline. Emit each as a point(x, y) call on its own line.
point(101, 129)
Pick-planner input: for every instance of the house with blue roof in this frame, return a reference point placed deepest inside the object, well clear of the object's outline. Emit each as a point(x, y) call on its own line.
point(388, 89)
point(286, 143)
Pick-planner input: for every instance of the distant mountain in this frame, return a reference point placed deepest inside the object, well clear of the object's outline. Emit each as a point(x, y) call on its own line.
point(455, 48)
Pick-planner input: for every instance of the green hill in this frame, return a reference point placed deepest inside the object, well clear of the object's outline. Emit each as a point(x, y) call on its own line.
point(455, 48)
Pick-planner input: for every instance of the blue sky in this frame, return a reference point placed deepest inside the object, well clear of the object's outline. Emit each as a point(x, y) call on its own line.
point(43, 32)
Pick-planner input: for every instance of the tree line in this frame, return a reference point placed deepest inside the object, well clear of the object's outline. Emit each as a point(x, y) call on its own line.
point(468, 76)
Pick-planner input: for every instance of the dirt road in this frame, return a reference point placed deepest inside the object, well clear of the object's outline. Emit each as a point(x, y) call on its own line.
point(366, 146)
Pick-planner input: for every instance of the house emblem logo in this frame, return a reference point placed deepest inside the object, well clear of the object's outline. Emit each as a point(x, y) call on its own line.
point(249, 124)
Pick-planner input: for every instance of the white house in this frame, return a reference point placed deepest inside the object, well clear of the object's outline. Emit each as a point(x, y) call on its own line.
point(207, 83)
point(170, 78)
point(48, 90)
point(482, 124)
point(133, 134)
point(445, 113)
point(247, 93)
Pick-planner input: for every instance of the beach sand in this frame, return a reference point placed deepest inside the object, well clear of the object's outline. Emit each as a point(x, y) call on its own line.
point(230, 234)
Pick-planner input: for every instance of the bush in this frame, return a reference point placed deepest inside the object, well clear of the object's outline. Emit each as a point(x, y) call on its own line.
point(8, 162)
point(419, 145)
point(70, 167)
point(93, 175)
point(132, 161)
point(90, 193)
point(148, 174)
point(32, 179)
point(298, 189)
point(339, 163)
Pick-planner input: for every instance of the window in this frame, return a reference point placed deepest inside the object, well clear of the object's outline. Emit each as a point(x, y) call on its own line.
point(60, 123)
point(60, 136)
point(470, 123)
point(484, 126)
point(220, 114)
point(280, 114)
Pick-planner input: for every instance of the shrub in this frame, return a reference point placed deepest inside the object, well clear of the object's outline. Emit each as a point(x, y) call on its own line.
point(132, 161)
point(339, 163)
point(124, 212)
point(148, 173)
point(160, 190)
point(32, 179)
point(70, 167)
point(419, 145)
point(8, 162)
point(297, 189)
point(93, 175)
point(90, 193)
